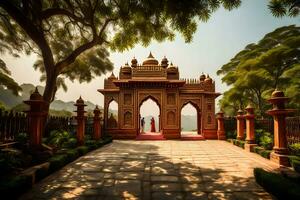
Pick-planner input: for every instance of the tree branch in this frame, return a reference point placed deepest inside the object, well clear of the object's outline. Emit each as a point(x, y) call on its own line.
point(50, 12)
point(72, 57)
point(33, 31)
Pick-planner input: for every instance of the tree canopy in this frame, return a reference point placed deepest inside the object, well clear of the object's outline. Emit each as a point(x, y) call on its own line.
point(73, 38)
point(280, 8)
point(6, 80)
point(274, 62)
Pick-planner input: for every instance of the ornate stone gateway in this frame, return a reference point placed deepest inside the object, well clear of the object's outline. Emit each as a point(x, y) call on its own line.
point(161, 83)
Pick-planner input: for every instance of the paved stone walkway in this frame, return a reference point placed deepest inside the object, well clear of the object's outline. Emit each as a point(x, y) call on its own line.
point(158, 170)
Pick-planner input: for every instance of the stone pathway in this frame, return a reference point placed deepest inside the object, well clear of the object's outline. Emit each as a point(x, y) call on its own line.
point(158, 170)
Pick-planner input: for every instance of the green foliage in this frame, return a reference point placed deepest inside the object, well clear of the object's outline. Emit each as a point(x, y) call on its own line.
point(58, 161)
point(296, 165)
point(14, 187)
point(276, 184)
point(91, 144)
point(263, 152)
point(231, 134)
point(71, 143)
point(73, 38)
point(12, 159)
point(264, 139)
point(281, 8)
point(57, 138)
point(72, 154)
point(82, 150)
point(5, 78)
point(295, 149)
point(260, 68)
point(22, 138)
point(239, 143)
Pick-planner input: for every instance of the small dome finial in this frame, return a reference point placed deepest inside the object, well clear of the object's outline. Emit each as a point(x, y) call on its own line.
point(150, 55)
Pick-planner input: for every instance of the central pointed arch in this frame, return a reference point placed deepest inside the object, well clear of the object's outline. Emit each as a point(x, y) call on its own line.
point(149, 107)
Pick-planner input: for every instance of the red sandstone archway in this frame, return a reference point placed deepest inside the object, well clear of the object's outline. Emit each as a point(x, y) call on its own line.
point(193, 104)
point(158, 129)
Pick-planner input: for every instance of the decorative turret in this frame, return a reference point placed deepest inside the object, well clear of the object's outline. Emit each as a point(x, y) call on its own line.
point(164, 62)
point(134, 62)
point(150, 60)
point(202, 77)
point(208, 80)
point(112, 76)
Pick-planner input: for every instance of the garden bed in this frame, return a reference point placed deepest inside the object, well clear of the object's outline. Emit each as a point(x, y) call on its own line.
point(278, 185)
point(15, 183)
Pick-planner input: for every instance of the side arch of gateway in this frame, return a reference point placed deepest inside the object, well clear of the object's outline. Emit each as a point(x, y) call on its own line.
point(160, 82)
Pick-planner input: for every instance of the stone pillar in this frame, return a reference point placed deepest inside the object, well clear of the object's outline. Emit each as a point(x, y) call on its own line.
point(240, 125)
point(35, 116)
point(80, 120)
point(96, 124)
point(250, 140)
point(280, 150)
point(221, 130)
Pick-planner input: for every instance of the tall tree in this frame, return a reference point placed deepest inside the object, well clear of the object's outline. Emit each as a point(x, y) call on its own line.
point(271, 63)
point(73, 38)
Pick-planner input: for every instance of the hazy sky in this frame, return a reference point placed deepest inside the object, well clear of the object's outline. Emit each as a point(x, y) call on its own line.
point(214, 44)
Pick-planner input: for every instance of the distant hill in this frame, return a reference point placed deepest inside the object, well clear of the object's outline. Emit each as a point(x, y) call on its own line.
point(9, 100)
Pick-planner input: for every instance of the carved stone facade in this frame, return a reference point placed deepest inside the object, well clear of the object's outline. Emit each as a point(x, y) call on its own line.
point(161, 83)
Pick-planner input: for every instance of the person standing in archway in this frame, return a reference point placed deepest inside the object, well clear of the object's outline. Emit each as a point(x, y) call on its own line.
point(152, 123)
point(142, 125)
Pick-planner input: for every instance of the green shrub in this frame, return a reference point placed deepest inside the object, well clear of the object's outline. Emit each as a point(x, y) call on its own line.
point(57, 138)
point(22, 138)
point(264, 139)
point(91, 144)
point(266, 142)
point(11, 159)
point(258, 149)
point(107, 139)
point(241, 143)
point(295, 149)
point(14, 187)
point(71, 143)
point(276, 184)
point(72, 154)
point(230, 134)
point(296, 165)
point(265, 153)
point(82, 150)
point(58, 161)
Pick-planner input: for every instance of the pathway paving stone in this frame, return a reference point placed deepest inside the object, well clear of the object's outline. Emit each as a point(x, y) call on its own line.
point(158, 170)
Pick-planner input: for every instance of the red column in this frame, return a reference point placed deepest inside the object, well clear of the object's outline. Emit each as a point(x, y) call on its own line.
point(221, 131)
point(97, 125)
point(240, 125)
point(250, 140)
point(35, 115)
point(280, 150)
point(80, 120)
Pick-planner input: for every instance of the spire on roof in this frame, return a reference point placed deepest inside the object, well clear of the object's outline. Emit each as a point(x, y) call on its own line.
point(150, 55)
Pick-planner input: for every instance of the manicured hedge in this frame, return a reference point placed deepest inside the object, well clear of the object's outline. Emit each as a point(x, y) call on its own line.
point(15, 186)
point(276, 184)
point(295, 163)
point(263, 152)
point(239, 143)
